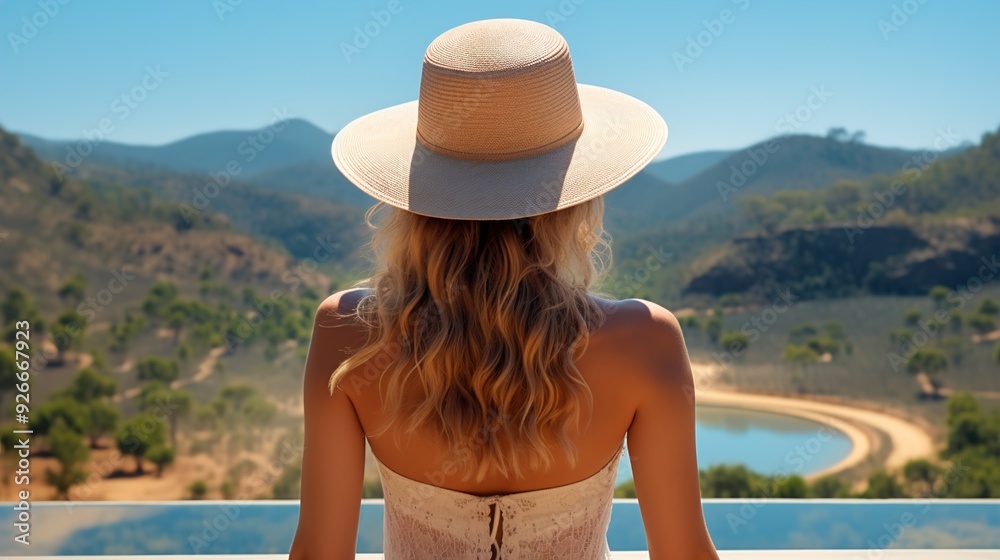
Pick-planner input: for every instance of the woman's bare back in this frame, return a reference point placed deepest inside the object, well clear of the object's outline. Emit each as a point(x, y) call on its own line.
point(612, 354)
point(637, 368)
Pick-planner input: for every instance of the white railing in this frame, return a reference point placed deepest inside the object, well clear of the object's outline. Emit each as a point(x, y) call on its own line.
point(965, 554)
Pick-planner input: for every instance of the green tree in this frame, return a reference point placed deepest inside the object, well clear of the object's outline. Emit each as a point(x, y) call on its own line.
point(939, 294)
point(800, 354)
point(65, 408)
point(238, 394)
point(883, 485)
point(155, 368)
point(161, 456)
point(734, 342)
point(71, 453)
point(90, 384)
point(912, 316)
point(140, 434)
point(159, 298)
point(177, 404)
point(791, 487)
point(729, 481)
point(68, 331)
point(830, 486)
point(18, 306)
point(801, 333)
point(102, 420)
point(74, 288)
point(920, 475)
point(122, 332)
point(198, 490)
point(927, 360)
point(981, 323)
point(988, 306)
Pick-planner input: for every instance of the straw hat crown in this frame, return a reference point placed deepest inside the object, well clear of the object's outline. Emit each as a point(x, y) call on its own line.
point(501, 130)
point(498, 90)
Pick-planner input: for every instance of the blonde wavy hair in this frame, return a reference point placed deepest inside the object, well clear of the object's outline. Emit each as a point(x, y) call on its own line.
point(483, 321)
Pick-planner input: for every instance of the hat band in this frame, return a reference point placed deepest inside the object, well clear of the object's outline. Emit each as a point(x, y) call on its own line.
point(503, 156)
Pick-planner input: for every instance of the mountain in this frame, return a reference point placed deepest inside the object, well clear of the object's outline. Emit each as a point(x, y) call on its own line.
point(303, 226)
point(781, 163)
point(681, 168)
point(52, 227)
point(295, 160)
point(933, 225)
point(278, 145)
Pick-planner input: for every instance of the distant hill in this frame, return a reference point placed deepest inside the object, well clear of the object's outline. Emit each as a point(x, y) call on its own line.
point(682, 168)
point(782, 163)
point(51, 228)
point(256, 151)
point(940, 227)
point(296, 160)
point(304, 226)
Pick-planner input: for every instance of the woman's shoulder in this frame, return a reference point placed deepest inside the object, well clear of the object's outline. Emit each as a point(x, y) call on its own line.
point(336, 326)
point(341, 306)
point(649, 337)
point(638, 315)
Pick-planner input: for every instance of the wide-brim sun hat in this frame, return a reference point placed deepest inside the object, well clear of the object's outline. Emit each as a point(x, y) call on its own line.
point(501, 130)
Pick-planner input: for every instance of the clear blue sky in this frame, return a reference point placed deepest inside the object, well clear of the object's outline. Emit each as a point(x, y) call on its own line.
point(938, 68)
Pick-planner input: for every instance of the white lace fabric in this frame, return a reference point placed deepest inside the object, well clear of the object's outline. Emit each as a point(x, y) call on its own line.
point(425, 522)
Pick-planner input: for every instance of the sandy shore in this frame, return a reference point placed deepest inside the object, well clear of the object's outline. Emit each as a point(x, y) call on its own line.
point(864, 427)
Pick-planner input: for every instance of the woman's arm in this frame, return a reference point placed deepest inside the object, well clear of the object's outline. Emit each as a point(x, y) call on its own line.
point(333, 457)
point(661, 445)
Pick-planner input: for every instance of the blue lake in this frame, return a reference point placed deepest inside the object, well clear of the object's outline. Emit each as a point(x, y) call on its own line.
point(765, 442)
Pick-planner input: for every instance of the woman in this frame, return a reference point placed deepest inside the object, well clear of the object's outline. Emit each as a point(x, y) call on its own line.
point(494, 388)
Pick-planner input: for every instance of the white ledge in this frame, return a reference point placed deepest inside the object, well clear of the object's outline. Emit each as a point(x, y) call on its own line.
point(897, 554)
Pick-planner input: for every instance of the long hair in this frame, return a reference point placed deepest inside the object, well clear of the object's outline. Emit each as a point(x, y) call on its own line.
point(483, 322)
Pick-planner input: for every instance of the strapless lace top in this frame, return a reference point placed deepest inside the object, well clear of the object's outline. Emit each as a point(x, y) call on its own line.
point(427, 522)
